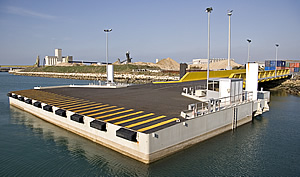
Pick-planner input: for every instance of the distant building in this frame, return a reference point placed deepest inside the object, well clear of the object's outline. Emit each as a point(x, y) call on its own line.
point(58, 58)
point(204, 61)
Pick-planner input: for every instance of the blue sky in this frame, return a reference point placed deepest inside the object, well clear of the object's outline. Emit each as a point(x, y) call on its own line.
point(149, 29)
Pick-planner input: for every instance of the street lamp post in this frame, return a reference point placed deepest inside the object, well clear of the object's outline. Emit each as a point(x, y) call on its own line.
point(249, 41)
point(229, 13)
point(107, 31)
point(208, 10)
point(276, 52)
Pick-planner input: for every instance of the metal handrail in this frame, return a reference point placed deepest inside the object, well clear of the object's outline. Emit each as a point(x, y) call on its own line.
point(213, 105)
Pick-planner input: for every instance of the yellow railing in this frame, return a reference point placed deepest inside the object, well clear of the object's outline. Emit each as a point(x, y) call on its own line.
point(264, 76)
point(196, 76)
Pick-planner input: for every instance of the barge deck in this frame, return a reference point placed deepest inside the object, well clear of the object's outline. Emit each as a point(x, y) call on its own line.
point(143, 108)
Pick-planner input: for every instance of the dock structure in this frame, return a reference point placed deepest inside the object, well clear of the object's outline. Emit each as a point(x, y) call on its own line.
point(144, 122)
point(263, 76)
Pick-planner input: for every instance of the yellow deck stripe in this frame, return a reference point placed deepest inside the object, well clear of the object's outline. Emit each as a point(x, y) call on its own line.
point(128, 120)
point(63, 99)
point(49, 96)
point(57, 96)
point(157, 125)
point(100, 110)
point(58, 103)
point(67, 101)
point(145, 121)
point(84, 106)
point(71, 105)
point(62, 102)
point(127, 115)
point(94, 109)
point(67, 105)
point(114, 114)
point(98, 113)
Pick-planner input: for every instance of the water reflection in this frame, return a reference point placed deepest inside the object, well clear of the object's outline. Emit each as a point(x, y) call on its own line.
point(214, 156)
point(278, 93)
point(97, 155)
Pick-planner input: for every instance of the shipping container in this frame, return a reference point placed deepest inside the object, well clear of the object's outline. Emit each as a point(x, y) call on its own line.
point(296, 70)
point(292, 65)
point(297, 65)
point(283, 63)
point(291, 70)
point(278, 64)
point(287, 64)
point(267, 68)
point(280, 68)
point(267, 63)
point(272, 63)
point(272, 68)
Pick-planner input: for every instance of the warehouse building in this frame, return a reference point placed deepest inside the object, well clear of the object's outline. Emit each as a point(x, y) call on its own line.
point(57, 59)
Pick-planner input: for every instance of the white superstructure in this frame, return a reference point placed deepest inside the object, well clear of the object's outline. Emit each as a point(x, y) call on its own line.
point(58, 58)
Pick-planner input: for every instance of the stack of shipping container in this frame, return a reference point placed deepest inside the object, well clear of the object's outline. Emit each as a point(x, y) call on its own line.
point(293, 65)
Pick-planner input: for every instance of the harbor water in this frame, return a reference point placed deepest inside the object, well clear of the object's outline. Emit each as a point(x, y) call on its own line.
point(29, 146)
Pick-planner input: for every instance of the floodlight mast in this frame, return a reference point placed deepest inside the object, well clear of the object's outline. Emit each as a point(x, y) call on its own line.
point(107, 31)
point(229, 13)
point(276, 54)
point(208, 10)
point(249, 41)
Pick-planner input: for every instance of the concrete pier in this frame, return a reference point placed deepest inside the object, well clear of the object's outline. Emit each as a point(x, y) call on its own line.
point(142, 122)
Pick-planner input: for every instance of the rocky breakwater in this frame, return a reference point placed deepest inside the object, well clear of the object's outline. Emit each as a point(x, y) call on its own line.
point(291, 86)
point(118, 77)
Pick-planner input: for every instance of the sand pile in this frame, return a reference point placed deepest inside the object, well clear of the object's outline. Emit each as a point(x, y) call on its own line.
point(216, 65)
point(146, 63)
point(168, 64)
point(165, 64)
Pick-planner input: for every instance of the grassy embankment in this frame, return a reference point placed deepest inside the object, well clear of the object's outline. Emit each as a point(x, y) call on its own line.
point(95, 69)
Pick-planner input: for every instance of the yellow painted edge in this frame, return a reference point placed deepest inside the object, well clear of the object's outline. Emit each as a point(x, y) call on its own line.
point(86, 112)
point(80, 107)
point(115, 118)
point(128, 120)
point(101, 110)
point(105, 111)
point(145, 121)
point(157, 125)
point(128, 110)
